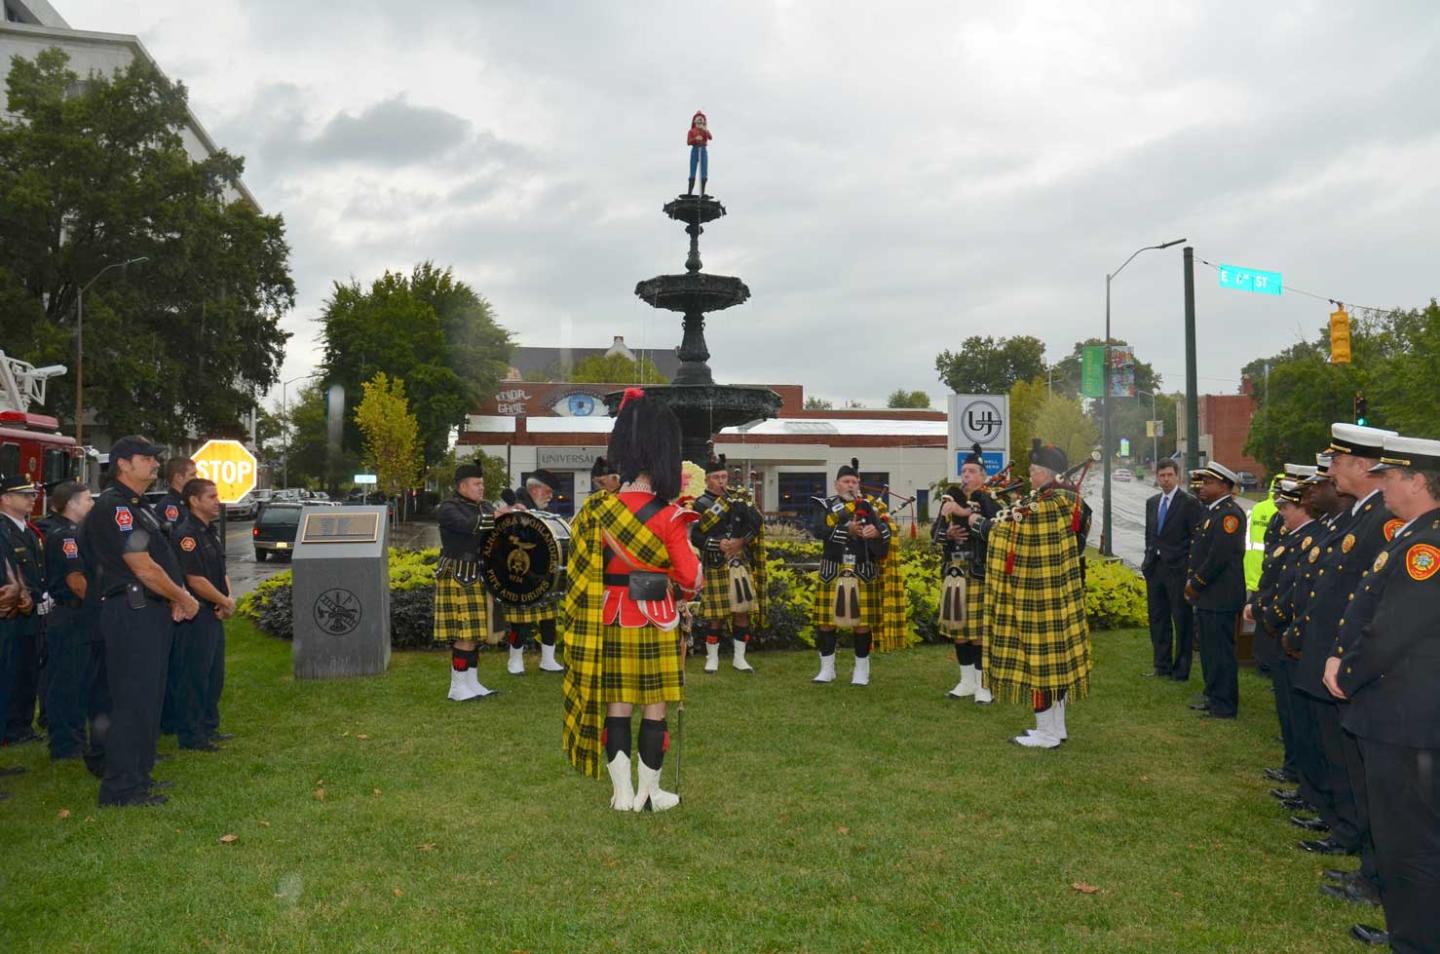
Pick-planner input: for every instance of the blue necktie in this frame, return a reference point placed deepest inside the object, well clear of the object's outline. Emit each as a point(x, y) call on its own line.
point(1164, 507)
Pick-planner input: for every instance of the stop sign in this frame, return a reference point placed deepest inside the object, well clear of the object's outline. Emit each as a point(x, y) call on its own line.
point(230, 465)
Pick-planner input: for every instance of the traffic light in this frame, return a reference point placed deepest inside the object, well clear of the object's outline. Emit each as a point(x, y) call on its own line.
point(1361, 417)
point(1339, 337)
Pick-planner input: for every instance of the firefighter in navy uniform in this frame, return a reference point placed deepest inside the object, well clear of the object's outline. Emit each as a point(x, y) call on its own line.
point(201, 553)
point(25, 644)
point(1215, 586)
point(732, 552)
point(69, 624)
point(15, 602)
point(463, 610)
point(142, 597)
point(962, 574)
point(171, 511)
point(1386, 660)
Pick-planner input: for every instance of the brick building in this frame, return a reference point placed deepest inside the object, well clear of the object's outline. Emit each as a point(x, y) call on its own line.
point(1224, 429)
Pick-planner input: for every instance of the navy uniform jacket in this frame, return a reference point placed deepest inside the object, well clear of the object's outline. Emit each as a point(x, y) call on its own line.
point(172, 512)
point(1346, 556)
point(1216, 570)
point(1274, 601)
point(62, 557)
point(1169, 547)
point(1390, 662)
point(22, 547)
point(122, 522)
point(1313, 541)
point(200, 552)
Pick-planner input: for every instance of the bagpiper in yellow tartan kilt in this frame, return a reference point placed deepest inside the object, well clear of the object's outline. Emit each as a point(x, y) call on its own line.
point(534, 613)
point(642, 665)
point(974, 629)
point(822, 612)
point(715, 594)
point(461, 611)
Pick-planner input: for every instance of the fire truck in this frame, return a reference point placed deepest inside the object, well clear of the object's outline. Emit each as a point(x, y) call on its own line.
point(31, 444)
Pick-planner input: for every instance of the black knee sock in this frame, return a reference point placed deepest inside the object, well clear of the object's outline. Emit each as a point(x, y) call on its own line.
point(464, 659)
point(825, 641)
point(977, 656)
point(547, 632)
point(616, 736)
point(961, 654)
point(654, 740)
point(862, 645)
point(740, 635)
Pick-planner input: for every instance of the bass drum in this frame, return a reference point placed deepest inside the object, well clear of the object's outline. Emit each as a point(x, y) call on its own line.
point(525, 558)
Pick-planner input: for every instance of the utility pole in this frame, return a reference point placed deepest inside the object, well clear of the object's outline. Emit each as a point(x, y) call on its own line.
point(1192, 395)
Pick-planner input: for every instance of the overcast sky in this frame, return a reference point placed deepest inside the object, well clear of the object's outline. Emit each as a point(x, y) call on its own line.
point(898, 176)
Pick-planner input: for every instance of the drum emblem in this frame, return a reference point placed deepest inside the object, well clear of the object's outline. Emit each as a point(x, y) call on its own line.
point(518, 560)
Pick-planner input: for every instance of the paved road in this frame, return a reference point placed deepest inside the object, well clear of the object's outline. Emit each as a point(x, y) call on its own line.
point(246, 573)
point(1129, 521)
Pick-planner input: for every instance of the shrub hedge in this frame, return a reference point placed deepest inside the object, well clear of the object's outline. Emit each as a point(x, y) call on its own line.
point(1114, 596)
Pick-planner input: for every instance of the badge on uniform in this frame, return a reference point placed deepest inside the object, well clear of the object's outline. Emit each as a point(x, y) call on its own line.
point(1347, 543)
point(1305, 544)
point(1279, 552)
point(124, 519)
point(1231, 523)
point(1392, 527)
point(187, 544)
point(1207, 524)
point(1314, 554)
point(1422, 561)
point(172, 512)
point(70, 547)
point(1380, 561)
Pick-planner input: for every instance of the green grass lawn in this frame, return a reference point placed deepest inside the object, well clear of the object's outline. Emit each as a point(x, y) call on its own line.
point(373, 815)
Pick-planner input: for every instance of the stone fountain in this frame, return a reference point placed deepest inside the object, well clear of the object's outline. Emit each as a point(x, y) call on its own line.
point(703, 406)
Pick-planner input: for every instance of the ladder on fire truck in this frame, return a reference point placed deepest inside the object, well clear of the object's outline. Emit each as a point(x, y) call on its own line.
point(22, 384)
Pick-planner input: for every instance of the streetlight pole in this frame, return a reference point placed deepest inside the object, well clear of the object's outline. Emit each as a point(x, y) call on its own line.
point(80, 344)
point(1107, 547)
point(285, 422)
point(1154, 430)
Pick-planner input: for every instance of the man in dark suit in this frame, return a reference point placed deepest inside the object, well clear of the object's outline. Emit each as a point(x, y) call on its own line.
point(1170, 519)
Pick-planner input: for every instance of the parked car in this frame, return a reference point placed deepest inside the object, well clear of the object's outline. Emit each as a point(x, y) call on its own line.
point(1122, 475)
point(1248, 481)
point(242, 509)
point(274, 531)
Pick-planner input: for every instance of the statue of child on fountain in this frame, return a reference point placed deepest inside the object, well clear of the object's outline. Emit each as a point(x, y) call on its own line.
point(697, 139)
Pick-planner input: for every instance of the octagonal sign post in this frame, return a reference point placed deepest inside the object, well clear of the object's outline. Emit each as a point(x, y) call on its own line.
point(230, 465)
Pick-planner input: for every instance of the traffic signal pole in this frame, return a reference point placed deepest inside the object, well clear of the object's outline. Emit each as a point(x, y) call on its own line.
point(1192, 396)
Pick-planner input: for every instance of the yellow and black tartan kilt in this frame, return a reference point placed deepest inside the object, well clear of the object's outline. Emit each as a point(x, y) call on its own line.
point(533, 613)
point(822, 612)
point(461, 612)
point(642, 665)
point(974, 628)
point(715, 594)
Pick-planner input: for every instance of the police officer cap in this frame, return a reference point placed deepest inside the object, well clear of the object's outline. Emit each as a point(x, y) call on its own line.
point(1411, 453)
point(16, 484)
point(1358, 440)
point(127, 447)
point(602, 468)
point(1048, 456)
point(1299, 471)
point(546, 478)
point(1322, 468)
point(1288, 490)
point(466, 471)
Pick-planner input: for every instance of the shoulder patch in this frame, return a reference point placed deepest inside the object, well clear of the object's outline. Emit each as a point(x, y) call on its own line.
point(124, 519)
point(187, 543)
point(1392, 527)
point(1422, 561)
point(70, 547)
point(172, 513)
point(1382, 558)
point(1231, 523)
point(1348, 543)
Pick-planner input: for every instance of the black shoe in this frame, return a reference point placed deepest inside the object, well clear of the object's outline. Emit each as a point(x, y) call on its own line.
point(206, 746)
point(1200, 706)
point(163, 785)
point(221, 737)
point(140, 801)
point(1284, 793)
point(1325, 847)
point(12, 770)
point(24, 738)
point(1211, 714)
point(1356, 892)
point(1309, 824)
point(1298, 805)
point(1338, 874)
point(1366, 934)
point(1156, 673)
point(1178, 678)
point(1280, 775)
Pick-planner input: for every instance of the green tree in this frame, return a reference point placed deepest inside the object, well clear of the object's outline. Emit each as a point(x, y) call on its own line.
point(427, 329)
point(94, 173)
point(1026, 400)
point(986, 365)
point(901, 398)
point(391, 433)
point(818, 404)
point(440, 476)
point(615, 369)
point(1063, 422)
point(314, 459)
